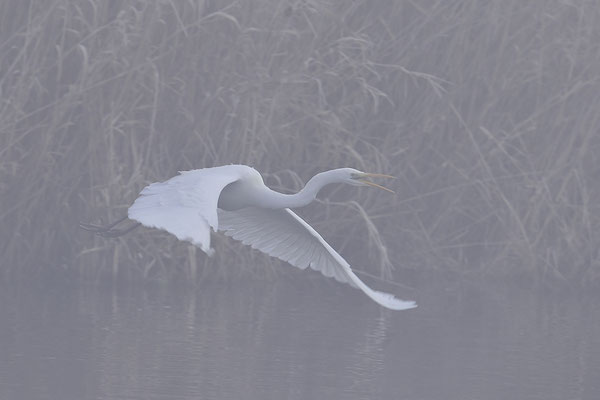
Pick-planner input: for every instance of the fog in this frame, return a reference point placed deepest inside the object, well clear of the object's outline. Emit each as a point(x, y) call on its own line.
point(486, 112)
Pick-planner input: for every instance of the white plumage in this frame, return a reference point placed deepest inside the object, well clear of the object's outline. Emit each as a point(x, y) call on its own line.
point(234, 200)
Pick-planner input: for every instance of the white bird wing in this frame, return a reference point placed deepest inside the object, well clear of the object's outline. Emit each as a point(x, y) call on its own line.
point(186, 205)
point(283, 234)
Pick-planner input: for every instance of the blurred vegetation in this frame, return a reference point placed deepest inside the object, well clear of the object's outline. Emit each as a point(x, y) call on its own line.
point(488, 112)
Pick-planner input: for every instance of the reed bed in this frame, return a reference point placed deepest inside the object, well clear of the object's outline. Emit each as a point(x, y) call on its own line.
point(486, 111)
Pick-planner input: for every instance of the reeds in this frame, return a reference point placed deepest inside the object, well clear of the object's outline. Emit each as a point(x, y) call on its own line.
point(487, 112)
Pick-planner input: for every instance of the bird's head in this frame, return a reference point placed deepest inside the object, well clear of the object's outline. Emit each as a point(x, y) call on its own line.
point(359, 178)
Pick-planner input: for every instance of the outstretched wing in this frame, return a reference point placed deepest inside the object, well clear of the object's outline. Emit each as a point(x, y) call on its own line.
point(283, 234)
point(186, 205)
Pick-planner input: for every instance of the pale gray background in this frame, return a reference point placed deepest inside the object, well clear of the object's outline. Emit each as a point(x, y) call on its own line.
point(486, 111)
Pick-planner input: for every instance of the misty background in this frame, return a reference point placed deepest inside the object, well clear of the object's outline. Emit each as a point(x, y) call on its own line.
point(487, 112)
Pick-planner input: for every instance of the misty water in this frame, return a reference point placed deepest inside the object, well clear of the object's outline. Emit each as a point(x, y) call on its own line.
point(295, 338)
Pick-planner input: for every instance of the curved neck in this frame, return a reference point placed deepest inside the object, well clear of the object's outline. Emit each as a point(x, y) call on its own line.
point(303, 197)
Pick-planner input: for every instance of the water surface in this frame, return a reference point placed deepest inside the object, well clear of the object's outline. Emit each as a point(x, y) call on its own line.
point(295, 339)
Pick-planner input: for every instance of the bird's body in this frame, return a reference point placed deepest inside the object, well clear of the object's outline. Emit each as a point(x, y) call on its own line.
point(234, 199)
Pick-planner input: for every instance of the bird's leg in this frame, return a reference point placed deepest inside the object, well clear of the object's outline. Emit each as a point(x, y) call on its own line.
point(113, 233)
point(99, 228)
point(108, 231)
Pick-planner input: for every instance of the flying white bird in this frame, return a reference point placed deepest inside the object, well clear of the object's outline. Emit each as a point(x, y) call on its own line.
point(235, 200)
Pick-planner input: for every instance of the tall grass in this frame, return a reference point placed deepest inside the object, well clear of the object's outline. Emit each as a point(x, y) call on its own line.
point(487, 111)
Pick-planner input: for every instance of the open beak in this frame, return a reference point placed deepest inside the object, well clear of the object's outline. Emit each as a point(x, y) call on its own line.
point(368, 175)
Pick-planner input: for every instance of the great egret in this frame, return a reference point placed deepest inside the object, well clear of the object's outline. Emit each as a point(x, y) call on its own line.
point(235, 200)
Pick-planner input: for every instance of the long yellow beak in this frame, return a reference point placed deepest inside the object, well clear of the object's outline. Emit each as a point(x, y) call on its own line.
point(369, 175)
